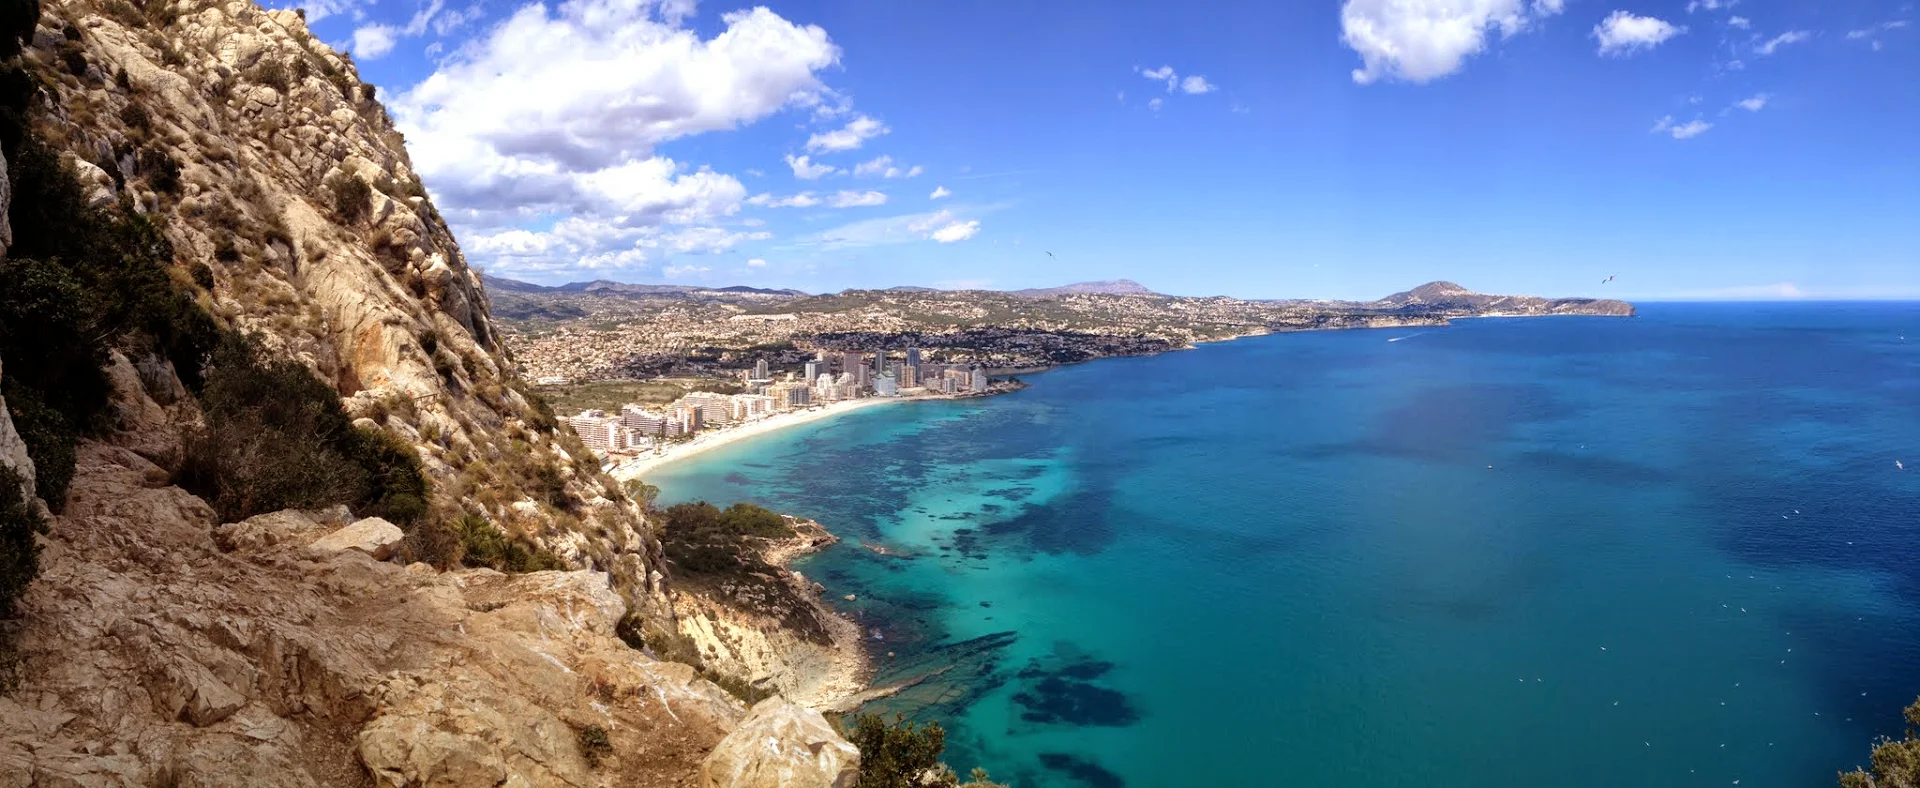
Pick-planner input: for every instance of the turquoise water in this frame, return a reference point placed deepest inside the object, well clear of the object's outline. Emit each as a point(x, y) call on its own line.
point(1671, 550)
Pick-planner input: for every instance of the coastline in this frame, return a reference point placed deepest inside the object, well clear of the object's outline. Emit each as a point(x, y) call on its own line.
point(638, 467)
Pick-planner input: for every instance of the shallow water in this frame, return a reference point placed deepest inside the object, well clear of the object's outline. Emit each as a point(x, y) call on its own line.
point(1558, 551)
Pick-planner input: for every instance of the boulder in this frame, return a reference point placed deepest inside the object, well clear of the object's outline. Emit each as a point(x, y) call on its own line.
point(373, 536)
point(265, 530)
point(781, 745)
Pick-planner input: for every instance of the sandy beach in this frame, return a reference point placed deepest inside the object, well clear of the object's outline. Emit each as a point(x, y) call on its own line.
point(641, 466)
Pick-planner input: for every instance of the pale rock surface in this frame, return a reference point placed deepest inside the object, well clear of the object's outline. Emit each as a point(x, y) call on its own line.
point(13, 451)
point(374, 536)
point(781, 745)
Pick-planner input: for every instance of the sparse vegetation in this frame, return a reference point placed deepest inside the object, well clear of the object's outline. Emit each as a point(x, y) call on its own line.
point(19, 562)
point(350, 198)
point(701, 538)
point(595, 745)
point(906, 755)
point(277, 438)
point(485, 545)
point(272, 73)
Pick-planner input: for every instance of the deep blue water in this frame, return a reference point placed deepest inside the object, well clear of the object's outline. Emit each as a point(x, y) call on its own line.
point(1578, 552)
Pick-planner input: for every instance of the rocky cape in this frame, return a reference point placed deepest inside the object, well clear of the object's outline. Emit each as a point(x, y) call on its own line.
point(160, 646)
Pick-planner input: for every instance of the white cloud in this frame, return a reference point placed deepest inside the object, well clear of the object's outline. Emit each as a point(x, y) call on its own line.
point(939, 192)
point(808, 171)
point(1752, 104)
point(1622, 33)
point(373, 41)
point(1710, 5)
point(940, 226)
point(1197, 84)
point(1870, 32)
point(1427, 40)
point(801, 200)
point(956, 232)
point(1154, 103)
point(1161, 74)
point(1692, 128)
point(851, 199)
point(676, 271)
point(883, 167)
point(756, 263)
point(556, 112)
point(849, 137)
point(1789, 37)
point(1739, 22)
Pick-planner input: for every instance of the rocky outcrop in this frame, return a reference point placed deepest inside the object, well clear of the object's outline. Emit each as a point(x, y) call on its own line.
point(780, 637)
point(288, 196)
point(782, 745)
point(13, 451)
point(158, 654)
point(373, 536)
point(1446, 299)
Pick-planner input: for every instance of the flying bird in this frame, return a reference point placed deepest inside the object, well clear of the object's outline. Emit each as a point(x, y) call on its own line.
point(1608, 279)
point(1900, 465)
point(1049, 254)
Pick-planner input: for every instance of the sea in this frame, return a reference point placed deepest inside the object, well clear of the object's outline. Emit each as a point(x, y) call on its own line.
point(1583, 552)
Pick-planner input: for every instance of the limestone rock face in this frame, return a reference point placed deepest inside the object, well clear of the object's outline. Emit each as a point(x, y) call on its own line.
point(373, 536)
point(13, 451)
point(241, 130)
point(154, 656)
point(782, 745)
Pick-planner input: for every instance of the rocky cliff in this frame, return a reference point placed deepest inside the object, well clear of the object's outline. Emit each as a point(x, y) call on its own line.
point(1446, 299)
point(160, 646)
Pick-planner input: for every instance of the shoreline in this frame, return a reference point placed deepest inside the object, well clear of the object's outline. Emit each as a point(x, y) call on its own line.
point(637, 467)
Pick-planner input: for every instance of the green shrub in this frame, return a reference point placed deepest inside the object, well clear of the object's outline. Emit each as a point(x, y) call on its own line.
point(272, 73)
point(1895, 762)
point(278, 438)
point(595, 744)
point(350, 198)
point(485, 545)
point(51, 441)
point(897, 755)
point(19, 562)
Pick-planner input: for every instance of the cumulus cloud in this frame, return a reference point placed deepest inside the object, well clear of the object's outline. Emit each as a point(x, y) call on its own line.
point(1681, 131)
point(1424, 41)
point(1155, 103)
point(373, 41)
point(956, 232)
point(853, 199)
point(848, 137)
point(1740, 22)
point(1790, 37)
point(1752, 104)
point(1197, 84)
point(806, 170)
point(1622, 33)
point(1710, 5)
point(756, 263)
point(883, 167)
point(557, 110)
point(939, 192)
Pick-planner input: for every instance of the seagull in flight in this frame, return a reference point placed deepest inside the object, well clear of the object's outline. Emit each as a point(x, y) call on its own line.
point(1050, 254)
point(1608, 279)
point(1900, 465)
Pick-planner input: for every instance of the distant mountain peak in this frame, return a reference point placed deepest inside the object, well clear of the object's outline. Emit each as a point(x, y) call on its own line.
point(1107, 287)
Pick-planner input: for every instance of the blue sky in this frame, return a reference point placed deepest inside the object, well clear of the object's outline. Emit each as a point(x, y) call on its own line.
point(1695, 148)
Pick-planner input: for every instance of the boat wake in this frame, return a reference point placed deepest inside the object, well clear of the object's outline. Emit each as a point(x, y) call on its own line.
point(1409, 336)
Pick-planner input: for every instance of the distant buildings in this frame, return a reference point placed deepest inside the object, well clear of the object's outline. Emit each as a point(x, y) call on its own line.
point(886, 385)
point(760, 370)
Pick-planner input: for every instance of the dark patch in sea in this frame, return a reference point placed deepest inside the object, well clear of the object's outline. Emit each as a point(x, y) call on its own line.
point(1593, 467)
point(1077, 768)
point(1066, 695)
point(738, 479)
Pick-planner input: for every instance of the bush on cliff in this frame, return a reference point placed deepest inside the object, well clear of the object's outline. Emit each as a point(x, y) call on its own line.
point(80, 281)
point(905, 755)
point(1896, 762)
point(278, 438)
point(484, 545)
point(19, 562)
point(701, 538)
